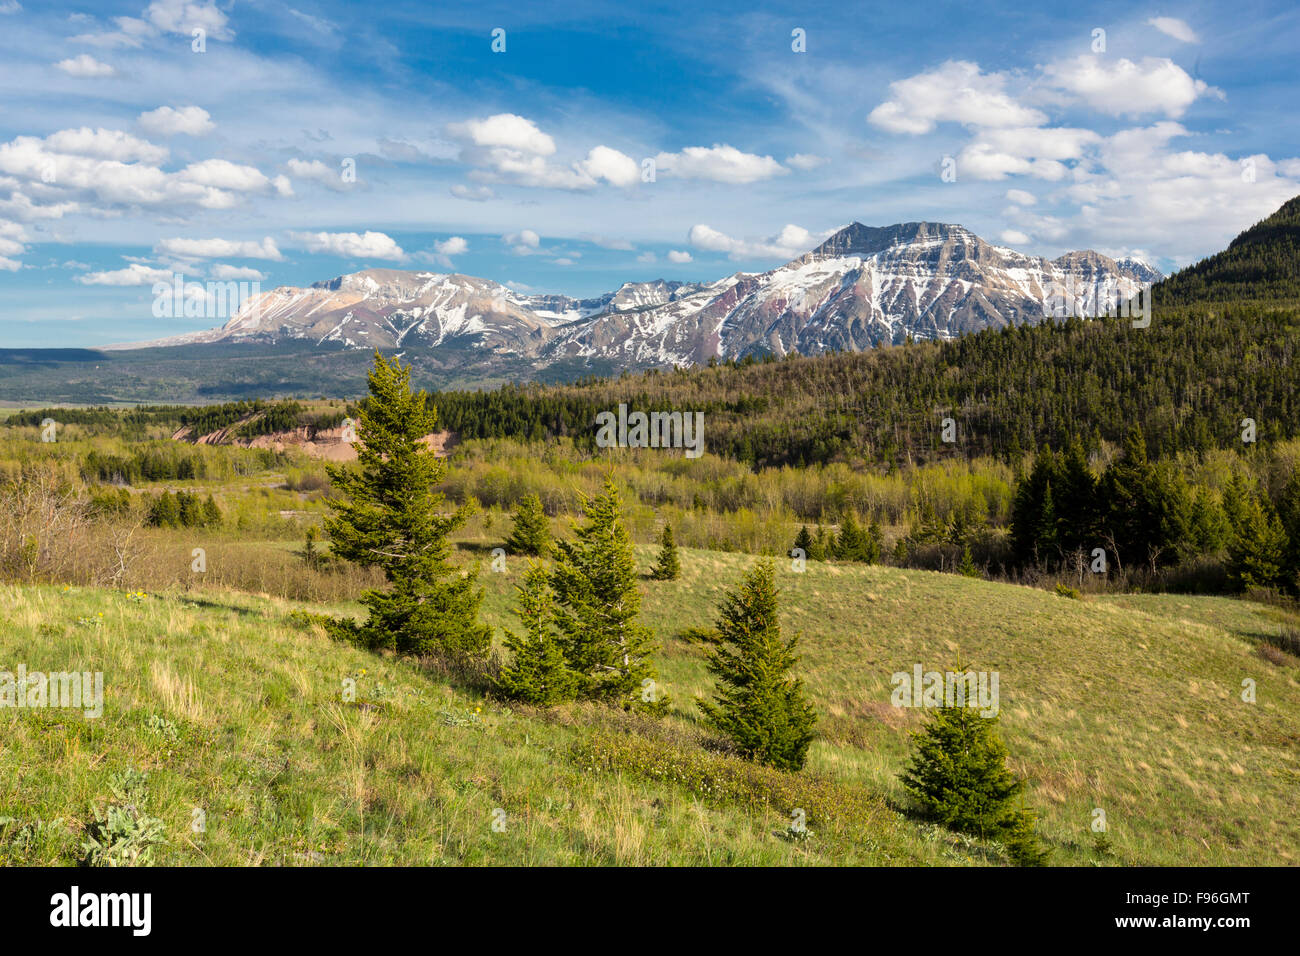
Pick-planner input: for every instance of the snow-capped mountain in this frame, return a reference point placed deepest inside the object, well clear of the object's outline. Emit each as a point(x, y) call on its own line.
point(862, 287)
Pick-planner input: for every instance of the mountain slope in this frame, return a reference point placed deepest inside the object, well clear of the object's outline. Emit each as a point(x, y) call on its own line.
point(1103, 703)
point(1262, 263)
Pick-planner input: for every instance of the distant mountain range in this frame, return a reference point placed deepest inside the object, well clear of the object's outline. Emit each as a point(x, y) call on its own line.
point(860, 288)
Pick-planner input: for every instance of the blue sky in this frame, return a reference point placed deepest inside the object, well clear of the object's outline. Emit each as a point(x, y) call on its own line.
point(128, 157)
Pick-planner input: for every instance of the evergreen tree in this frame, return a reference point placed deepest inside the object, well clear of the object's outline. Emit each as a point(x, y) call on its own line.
point(537, 672)
point(597, 604)
point(531, 534)
point(968, 568)
point(758, 704)
point(389, 515)
point(1288, 511)
point(1257, 555)
point(804, 542)
point(211, 513)
point(821, 545)
point(856, 544)
point(958, 774)
point(668, 567)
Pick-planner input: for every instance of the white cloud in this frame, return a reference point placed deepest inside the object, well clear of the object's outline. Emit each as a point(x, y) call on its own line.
point(678, 256)
point(647, 257)
point(10, 265)
point(525, 242)
point(317, 172)
point(504, 130)
point(1172, 26)
point(133, 275)
point(719, 163)
point(612, 166)
point(1014, 236)
point(105, 144)
point(229, 273)
point(10, 6)
point(563, 261)
point(350, 245)
point(453, 246)
point(1021, 198)
point(793, 241)
point(219, 249)
point(166, 121)
point(955, 92)
point(86, 66)
point(1124, 88)
point(180, 17)
point(805, 161)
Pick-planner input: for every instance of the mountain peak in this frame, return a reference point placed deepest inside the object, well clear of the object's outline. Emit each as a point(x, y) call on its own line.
point(856, 239)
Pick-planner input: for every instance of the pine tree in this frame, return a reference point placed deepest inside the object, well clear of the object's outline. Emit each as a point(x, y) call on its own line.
point(804, 542)
point(958, 774)
point(668, 567)
point(968, 568)
point(537, 673)
point(532, 533)
point(855, 544)
point(758, 704)
point(597, 604)
point(1288, 512)
point(389, 515)
point(1257, 555)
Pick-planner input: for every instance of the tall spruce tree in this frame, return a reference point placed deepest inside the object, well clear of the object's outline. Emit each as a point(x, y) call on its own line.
point(537, 672)
point(669, 566)
point(389, 515)
point(1257, 556)
point(531, 533)
point(597, 604)
point(758, 703)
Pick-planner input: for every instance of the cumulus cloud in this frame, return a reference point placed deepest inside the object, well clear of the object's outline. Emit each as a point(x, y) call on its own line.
point(719, 163)
point(315, 171)
point(112, 170)
point(229, 273)
point(1014, 236)
point(791, 242)
point(504, 130)
point(525, 242)
point(105, 144)
point(1021, 198)
point(133, 275)
point(86, 66)
point(1124, 88)
point(351, 245)
point(956, 92)
point(614, 167)
point(166, 121)
point(1173, 27)
point(454, 246)
point(677, 256)
point(219, 249)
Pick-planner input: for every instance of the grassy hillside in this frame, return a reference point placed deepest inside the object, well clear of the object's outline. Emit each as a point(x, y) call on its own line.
point(1131, 704)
